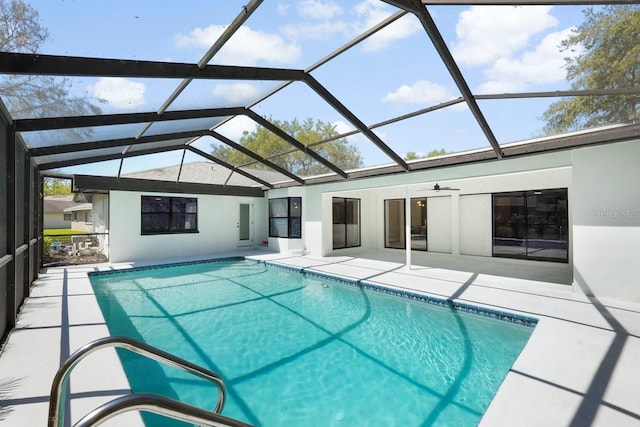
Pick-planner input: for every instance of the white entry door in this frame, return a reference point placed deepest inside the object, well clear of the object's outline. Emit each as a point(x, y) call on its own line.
point(245, 224)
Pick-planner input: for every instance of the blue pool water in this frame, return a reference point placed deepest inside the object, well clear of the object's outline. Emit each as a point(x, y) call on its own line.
point(301, 351)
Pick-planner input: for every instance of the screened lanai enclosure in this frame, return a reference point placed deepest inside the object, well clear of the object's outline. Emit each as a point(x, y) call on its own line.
point(271, 95)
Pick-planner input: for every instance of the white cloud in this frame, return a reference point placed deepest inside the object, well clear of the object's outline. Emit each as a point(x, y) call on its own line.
point(246, 46)
point(315, 30)
point(320, 10)
point(317, 20)
point(403, 28)
point(237, 93)
point(358, 138)
point(234, 128)
point(283, 8)
point(324, 20)
point(487, 33)
point(542, 65)
point(119, 92)
point(422, 92)
point(371, 13)
point(343, 127)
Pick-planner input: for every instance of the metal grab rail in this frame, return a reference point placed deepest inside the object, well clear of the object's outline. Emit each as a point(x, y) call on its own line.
point(159, 405)
point(56, 399)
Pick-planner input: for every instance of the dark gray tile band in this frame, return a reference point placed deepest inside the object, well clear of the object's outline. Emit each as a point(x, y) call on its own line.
point(159, 266)
point(415, 296)
point(440, 302)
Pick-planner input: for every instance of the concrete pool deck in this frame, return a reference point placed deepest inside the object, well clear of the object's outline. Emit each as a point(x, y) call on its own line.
point(579, 368)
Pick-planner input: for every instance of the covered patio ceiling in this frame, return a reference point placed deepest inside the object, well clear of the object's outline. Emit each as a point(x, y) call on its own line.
point(433, 98)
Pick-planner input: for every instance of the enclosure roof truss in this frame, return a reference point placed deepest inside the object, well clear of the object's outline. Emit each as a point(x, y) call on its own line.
point(144, 143)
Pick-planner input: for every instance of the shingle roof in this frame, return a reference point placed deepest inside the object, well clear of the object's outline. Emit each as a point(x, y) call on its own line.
point(207, 173)
point(53, 204)
point(80, 207)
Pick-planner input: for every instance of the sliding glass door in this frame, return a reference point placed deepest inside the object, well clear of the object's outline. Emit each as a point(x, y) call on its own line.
point(394, 224)
point(531, 224)
point(419, 224)
point(346, 222)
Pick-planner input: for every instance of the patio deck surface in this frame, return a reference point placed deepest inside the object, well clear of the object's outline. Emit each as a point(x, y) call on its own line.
point(579, 367)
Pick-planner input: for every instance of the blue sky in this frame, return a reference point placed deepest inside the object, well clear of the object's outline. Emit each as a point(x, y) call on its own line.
point(498, 49)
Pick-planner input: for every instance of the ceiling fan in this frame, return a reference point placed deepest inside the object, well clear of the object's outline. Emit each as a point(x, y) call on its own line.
point(437, 187)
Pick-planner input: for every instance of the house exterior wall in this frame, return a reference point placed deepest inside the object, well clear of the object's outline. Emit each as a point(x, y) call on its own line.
point(100, 223)
point(217, 228)
point(459, 222)
point(604, 213)
point(475, 224)
point(55, 220)
point(82, 226)
point(82, 220)
point(606, 216)
point(100, 213)
point(282, 244)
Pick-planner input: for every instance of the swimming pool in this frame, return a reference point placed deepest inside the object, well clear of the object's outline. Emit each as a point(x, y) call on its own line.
point(300, 349)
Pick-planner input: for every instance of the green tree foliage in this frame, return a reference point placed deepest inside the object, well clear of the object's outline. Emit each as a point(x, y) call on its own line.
point(263, 142)
point(412, 155)
point(56, 187)
point(609, 45)
point(32, 96)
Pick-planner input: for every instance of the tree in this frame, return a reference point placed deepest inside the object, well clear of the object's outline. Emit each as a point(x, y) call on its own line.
point(609, 42)
point(31, 96)
point(412, 155)
point(56, 186)
point(266, 144)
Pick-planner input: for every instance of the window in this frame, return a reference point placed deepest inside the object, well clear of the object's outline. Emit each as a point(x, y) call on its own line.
point(166, 215)
point(67, 217)
point(531, 225)
point(346, 223)
point(419, 224)
point(285, 217)
point(394, 224)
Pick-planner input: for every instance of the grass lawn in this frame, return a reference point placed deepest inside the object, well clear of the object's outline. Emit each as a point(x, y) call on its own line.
point(62, 235)
point(62, 232)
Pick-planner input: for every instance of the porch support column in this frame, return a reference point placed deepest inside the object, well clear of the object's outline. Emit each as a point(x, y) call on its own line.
point(407, 226)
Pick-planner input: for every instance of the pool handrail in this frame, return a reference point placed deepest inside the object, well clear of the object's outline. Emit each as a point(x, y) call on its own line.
point(160, 405)
point(57, 398)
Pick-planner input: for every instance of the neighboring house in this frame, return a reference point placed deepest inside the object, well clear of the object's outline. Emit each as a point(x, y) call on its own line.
point(64, 212)
point(81, 218)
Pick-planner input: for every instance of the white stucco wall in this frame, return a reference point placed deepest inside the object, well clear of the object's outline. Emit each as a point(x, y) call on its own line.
point(288, 245)
point(459, 222)
point(55, 220)
point(439, 219)
point(217, 228)
point(100, 213)
point(475, 224)
point(606, 216)
point(100, 216)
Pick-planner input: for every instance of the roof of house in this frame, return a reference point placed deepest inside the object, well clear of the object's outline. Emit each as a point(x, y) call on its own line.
point(79, 207)
point(58, 204)
point(207, 173)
